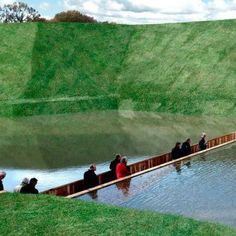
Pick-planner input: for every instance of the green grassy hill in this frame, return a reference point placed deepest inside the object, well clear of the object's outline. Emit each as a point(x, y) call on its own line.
point(50, 68)
point(47, 215)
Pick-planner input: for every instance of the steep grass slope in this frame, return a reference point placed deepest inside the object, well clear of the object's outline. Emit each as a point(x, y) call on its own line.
point(68, 67)
point(47, 215)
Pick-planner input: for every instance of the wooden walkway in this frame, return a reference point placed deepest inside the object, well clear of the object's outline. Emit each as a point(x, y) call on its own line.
point(77, 188)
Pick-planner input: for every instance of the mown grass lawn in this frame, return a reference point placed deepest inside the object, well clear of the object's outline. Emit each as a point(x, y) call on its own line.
point(48, 215)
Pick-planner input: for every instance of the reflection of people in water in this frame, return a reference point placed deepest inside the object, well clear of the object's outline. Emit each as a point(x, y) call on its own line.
point(124, 186)
point(186, 150)
point(177, 166)
point(93, 194)
point(188, 164)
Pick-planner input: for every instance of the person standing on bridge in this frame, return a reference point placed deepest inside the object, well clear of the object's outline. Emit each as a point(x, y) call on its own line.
point(122, 169)
point(176, 152)
point(90, 178)
point(113, 165)
point(2, 176)
point(202, 143)
point(186, 147)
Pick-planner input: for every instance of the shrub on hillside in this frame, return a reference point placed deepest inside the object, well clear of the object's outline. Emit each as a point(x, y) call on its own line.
point(73, 16)
point(40, 19)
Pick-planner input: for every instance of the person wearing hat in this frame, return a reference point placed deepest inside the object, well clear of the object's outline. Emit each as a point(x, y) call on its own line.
point(24, 182)
point(2, 176)
point(202, 143)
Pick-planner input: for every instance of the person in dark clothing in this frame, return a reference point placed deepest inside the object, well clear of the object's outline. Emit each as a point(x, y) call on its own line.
point(113, 165)
point(176, 151)
point(186, 147)
point(90, 178)
point(30, 188)
point(202, 143)
point(2, 176)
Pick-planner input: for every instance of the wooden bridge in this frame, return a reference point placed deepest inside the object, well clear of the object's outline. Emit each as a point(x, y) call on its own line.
point(77, 188)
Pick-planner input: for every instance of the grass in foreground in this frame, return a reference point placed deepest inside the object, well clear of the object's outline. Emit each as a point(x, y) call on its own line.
point(48, 215)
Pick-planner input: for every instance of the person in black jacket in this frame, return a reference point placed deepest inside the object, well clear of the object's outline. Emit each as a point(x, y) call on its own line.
point(2, 176)
point(113, 165)
point(176, 151)
point(186, 147)
point(202, 143)
point(30, 188)
point(90, 178)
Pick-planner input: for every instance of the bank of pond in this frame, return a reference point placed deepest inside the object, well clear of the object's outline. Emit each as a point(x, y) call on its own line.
point(49, 215)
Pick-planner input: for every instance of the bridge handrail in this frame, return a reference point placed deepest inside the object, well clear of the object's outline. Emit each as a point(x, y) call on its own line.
point(105, 179)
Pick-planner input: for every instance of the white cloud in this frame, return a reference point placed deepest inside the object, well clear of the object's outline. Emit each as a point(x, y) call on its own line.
point(218, 5)
point(3, 2)
point(91, 7)
point(150, 11)
point(44, 6)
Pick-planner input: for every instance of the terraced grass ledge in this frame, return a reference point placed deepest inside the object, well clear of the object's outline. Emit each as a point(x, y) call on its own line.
point(44, 215)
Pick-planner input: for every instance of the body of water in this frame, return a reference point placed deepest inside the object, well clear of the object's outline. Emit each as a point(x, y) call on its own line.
point(57, 149)
point(203, 189)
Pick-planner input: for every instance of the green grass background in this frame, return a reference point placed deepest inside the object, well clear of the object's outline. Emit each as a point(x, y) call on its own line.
point(187, 68)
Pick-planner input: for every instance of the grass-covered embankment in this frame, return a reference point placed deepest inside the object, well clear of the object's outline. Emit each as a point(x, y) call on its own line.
point(179, 68)
point(47, 215)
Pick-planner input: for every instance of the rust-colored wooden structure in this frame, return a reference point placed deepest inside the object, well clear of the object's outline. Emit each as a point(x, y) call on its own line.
point(139, 167)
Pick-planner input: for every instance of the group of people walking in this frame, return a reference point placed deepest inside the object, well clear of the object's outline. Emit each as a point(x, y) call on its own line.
point(185, 149)
point(118, 168)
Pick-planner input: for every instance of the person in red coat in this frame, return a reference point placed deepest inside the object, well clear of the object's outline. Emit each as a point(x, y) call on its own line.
point(122, 169)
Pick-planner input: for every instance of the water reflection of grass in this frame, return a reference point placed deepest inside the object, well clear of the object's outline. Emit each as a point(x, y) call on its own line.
point(76, 139)
point(47, 215)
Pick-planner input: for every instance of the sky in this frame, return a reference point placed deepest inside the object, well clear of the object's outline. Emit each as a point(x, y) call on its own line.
point(139, 11)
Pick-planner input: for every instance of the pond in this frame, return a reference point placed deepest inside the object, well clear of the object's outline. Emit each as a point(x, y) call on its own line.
point(57, 149)
point(203, 189)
